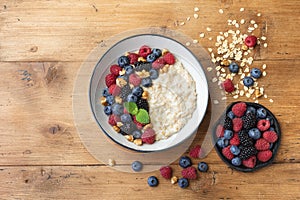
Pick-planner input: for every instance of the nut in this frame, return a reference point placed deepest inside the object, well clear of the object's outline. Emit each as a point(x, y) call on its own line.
point(225, 62)
point(118, 99)
point(121, 82)
point(145, 95)
point(119, 124)
point(103, 101)
point(258, 94)
point(244, 47)
point(174, 179)
point(111, 162)
point(122, 72)
point(164, 51)
point(138, 142)
point(116, 128)
point(129, 138)
point(147, 126)
point(142, 59)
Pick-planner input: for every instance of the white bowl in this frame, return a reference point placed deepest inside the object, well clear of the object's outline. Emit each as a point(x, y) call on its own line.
point(133, 43)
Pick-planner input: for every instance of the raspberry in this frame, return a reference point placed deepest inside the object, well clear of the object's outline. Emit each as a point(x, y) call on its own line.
point(158, 63)
point(227, 153)
point(239, 109)
point(237, 124)
point(264, 156)
point(133, 58)
point(115, 69)
point(196, 152)
point(228, 86)
point(139, 125)
point(235, 140)
point(270, 136)
point(263, 124)
point(189, 173)
point(246, 152)
point(110, 79)
point(148, 136)
point(169, 58)
point(250, 41)
point(249, 121)
point(114, 90)
point(227, 123)
point(250, 162)
point(166, 172)
point(220, 131)
point(262, 144)
point(245, 138)
point(144, 51)
point(111, 120)
point(134, 79)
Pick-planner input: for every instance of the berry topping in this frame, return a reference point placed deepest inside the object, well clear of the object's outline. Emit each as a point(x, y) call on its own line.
point(133, 58)
point(249, 121)
point(156, 52)
point(117, 109)
point(185, 162)
point(202, 166)
point(233, 67)
point(126, 118)
point(248, 81)
point(142, 104)
point(105, 92)
point(235, 140)
point(137, 134)
point(245, 139)
point(107, 110)
point(132, 98)
point(237, 124)
point(144, 51)
point(153, 74)
point(255, 72)
point(230, 115)
point(246, 152)
point(140, 66)
point(263, 124)
point(114, 90)
point(250, 162)
point(270, 136)
point(227, 153)
point(137, 91)
point(251, 109)
point(169, 58)
point(264, 156)
point(137, 166)
point(189, 173)
point(261, 113)
point(183, 182)
point(239, 109)
point(110, 99)
point(152, 181)
point(112, 120)
point(110, 79)
point(254, 133)
point(228, 86)
point(235, 150)
point(166, 172)
point(250, 41)
point(146, 82)
point(262, 144)
point(236, 161)
point(222, 142)
point(123, 61)
point(148, 136)
point(228, 134)
point(151, 58)
point(128, 69)
point(134, 79)
point(158, 63)
point(195, 152)
point(227, 123)
point(115, 69)
point(220, 131)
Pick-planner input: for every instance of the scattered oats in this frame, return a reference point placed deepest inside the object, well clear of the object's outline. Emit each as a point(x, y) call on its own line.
point(216, 101)
point(255, 84)
point(237, 92)
point(237, 25)
point(252, 22)
point(208, 29)
point(214, 80)
point(214, 60)
point(265, 96)
point(256, 101)
point(255, 26)
point(209, 49)
point(209, 69)
point(181, 23)
point(242, 9)
point(248, 95)
point(236, 96)
point(195, 41)
point(246, 88)
point(243, 75)
point(188, 18)
point(223, 75)
point(188, 44)
point(265, 45)
point(264, 73)
point(202, 35)
point(263, 38)
point(196, 9)
point(246, 69)
point(221, 11)
point(218, 73)
point(210, 38)
point(237, 32)
point(243, 64)
point(264, 66)
point(111, 162)
point(271, 100)
point(242, 92)
point(223, 70)
point(218, 68)
point(251, 90)
point(242, 21)
point(224, 98)
point(258, 14)
point(196, 16)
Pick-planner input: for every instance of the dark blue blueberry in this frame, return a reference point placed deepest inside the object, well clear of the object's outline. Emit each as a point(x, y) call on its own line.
point(152, 181)
point(271, 145)
point(230, 115)
point(107, 110)
point(236, 161)
point(261, 113)
point(271, 120)
point(254, 133)
point(228, 134)
point(146, 82)
point(248, 81)
point(110, 99)
point(123, 61)
point(202, 166)
point(126, 118)
point(222, 142)
point(271, 129)
point(105, 92)
point(137, 134)
point(132, 98)
point(117, 109)
point(153, 74)
point(128, 69)
point(183, 182)
point(185, 162)
point(251, 109)
point(137, 91)
point(255, 72)
point(233, 67)
point(137, 166)
point(151, 58)
point(156, 52)
point(235, 150)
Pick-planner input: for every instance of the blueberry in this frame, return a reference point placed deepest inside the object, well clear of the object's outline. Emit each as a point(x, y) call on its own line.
point(261, 113)
point(222, 142)
point(128, 69)
point(126, 118)
point(228, 134)
point(107, 110)
point(151, 58)
point(185, 162)
point(105, 92)
point(156, 52)
point(235, 150)
point(271, 129)
point(137, 134)
point(136, 166)
point(271, 145)
point(147, 82)
point(251, 109)
point(110, 99)
point(271, 120)
point(132, 98)
point(230, 115)
point(248, 81)
point(153, 74)
point(202, 166)
point(117, 109)
point(254, 133)
point(236, 161)
point(152, 181)
point(183, 182)
point(255, 72)
point(233, 67)
point(137, 91)
point(123, 61)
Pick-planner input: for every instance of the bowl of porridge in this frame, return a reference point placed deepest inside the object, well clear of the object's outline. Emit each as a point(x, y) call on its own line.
point(148, 93)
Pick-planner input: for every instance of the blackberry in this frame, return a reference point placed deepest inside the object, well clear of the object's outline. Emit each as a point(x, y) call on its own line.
point(246, 152)
point(143, 66)
point(142, 103)
point(245, 139)
point(126, 90)
point(249, 121)
point(227, 123)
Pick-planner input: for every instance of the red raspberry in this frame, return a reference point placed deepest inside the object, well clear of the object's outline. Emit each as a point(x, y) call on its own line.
point(148, 136)
point(235, 140)
point(227, 153)
point(237, 124)
point(111, 120)
point(250, 162)
point(220, 131)
point(134, 79)
point(228, 86)
point(263, 124)
point(133, 58)
point(144, 51)
point(270, 136)
point(196, 152)
point(250, 41)
point(264, 156)
point(138, 124)
point(189, 173)
point(110, 79)
point(166, 172)
point(262, 144)
point(115, 69)
point(239, 109)
point(114, 90)
point(169, 58)
point(158, 63)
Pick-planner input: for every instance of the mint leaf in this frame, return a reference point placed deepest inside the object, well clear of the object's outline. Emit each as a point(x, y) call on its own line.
point(142, 116)
point(131, 107)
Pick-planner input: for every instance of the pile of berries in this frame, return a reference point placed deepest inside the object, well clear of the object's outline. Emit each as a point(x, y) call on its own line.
point(125, 98)
point(247, 136)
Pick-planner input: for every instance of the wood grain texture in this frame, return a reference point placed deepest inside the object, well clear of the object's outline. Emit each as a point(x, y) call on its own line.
point(41, 155)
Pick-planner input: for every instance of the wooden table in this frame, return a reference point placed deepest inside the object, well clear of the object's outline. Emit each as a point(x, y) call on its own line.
point(41, 154)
